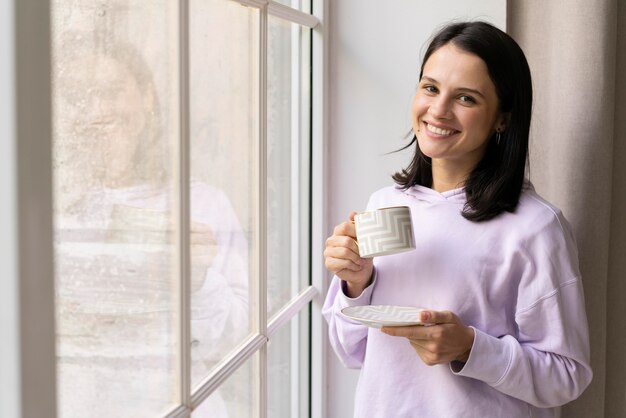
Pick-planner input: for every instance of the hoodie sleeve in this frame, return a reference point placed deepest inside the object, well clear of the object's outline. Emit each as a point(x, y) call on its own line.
point(547, 362)
point(348, 338)
point(219, 306)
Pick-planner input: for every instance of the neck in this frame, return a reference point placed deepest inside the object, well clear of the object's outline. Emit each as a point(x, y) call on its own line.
point(447, 176)
point(118, 180)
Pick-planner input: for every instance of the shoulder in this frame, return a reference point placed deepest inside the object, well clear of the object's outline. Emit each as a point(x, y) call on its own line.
point(384, 196)
point(209, 204)
point(202, 193)
point(535, 214)
point(546, 234)
point(200, 187)
point(537, 229)
point(547, 249)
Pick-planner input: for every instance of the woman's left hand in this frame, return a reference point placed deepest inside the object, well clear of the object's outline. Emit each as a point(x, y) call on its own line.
point(448, 339)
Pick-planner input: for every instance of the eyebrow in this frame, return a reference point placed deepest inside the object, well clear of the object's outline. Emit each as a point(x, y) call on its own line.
point(466, 89)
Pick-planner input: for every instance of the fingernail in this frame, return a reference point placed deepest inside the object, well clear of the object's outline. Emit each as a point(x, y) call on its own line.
point(424, 316)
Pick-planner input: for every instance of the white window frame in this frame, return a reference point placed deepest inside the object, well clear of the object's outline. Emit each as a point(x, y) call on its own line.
point(27, 360)
point(319, 204)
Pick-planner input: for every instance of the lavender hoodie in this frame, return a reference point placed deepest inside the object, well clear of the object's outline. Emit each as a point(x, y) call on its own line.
point(514, 279)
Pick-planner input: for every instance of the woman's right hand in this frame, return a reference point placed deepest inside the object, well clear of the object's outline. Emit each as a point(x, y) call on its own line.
point(342, 258)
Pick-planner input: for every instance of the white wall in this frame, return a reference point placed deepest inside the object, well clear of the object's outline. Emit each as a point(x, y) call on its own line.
point(375, 53)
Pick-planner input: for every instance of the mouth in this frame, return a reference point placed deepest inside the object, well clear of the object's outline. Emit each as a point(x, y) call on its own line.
point(439, 131)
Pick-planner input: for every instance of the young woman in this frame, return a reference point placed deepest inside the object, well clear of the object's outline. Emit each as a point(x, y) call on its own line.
point(495, 265)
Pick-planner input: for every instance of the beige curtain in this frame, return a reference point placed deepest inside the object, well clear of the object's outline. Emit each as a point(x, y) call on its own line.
point(577, 54)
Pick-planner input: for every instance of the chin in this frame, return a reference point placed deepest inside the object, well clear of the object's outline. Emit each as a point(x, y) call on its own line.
point(429, 149)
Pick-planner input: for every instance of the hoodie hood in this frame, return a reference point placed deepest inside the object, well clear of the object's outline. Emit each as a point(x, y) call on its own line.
point(429, 195)
point(458, 196)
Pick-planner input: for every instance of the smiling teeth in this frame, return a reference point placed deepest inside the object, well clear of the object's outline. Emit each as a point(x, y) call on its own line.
point(439, 131)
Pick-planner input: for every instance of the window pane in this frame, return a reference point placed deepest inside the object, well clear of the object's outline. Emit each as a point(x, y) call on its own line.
point(288, 160)
point(224, 84)
point(236, 397)
point(115, 93)
point(288, 369)
point(302, 5)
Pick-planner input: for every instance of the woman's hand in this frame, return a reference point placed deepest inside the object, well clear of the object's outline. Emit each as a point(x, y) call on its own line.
point(342, 258)
point(203, 248)
point(448, 339)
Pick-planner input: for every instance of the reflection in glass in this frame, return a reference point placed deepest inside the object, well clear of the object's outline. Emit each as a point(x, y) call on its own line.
point(236, 397)
point(224, 139)
point(116, 152)
point(288, 369)
point(115, 253)
point(302, 5)
point(288, 139)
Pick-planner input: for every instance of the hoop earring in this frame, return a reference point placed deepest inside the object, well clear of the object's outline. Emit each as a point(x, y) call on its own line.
point(498, 137)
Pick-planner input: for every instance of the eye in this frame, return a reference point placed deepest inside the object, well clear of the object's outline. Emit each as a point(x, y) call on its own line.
point(467, 99)
point(429, 88)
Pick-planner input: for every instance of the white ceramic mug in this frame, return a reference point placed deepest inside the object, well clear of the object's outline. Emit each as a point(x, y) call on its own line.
point(384, 231)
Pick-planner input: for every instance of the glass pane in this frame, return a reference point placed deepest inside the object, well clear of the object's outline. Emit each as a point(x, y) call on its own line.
point(288, 369)
point(115, 93)
point(224, 84)
point(237, 397)
point(302, 5)
point(288, 160)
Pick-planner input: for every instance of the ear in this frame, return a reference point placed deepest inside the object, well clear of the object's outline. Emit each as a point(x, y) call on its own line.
point(503, 121)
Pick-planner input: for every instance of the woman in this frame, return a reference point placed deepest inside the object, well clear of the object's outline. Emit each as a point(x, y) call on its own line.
point(495, 266)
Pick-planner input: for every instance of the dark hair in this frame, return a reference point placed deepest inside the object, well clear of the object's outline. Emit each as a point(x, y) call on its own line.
point(495, 184)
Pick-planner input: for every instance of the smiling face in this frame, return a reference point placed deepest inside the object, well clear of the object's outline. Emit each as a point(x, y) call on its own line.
point(455, 112)
point(107, 119)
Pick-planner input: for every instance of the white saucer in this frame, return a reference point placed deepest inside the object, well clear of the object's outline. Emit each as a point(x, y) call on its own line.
point(378, 316)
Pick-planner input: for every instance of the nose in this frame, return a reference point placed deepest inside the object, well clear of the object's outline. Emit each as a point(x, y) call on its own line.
point(440, 108)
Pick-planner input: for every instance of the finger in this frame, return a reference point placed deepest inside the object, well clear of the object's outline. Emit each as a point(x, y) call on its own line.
point(343, 241)
point(415, 332)
point(421, 345)
point(346, 229)
point(352, 215)
point(201, 238)
point(344, 253)
point(335, 265)
point(438, 317)
point(429, 357)
point(199, 227)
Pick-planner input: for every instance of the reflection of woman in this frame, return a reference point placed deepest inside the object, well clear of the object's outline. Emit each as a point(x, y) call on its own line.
point(117, 281)
point(107, 104)
point(495, 266)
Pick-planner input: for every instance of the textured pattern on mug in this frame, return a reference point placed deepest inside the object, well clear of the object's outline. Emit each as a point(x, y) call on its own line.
point(384, 231)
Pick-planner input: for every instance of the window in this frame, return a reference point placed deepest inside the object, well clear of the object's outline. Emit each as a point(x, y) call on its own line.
point(182, 193)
